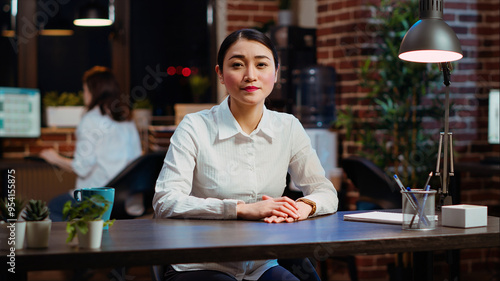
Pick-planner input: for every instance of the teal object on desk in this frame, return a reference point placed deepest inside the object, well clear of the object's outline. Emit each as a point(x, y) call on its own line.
point(107, 192)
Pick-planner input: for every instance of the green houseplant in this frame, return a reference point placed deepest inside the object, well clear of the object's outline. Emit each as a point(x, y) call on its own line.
point(38, 224)
point(10, 211)
point(393, 136)
point(11, 208)
point(85, 220)
point(52, 98)
point(63, 110)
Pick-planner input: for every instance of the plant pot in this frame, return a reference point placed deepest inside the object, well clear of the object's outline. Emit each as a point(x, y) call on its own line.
point(15, 230)
point(20, 234)
point(91, 239)
point(142, 118)
point(64, 116)
point(38, 233)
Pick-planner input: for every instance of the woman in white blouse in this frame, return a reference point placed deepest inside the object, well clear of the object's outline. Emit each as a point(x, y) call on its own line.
point(106, 137)
point(231, 162)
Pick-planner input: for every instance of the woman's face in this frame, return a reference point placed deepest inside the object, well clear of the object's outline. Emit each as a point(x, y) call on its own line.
point(249, 73)
point(87, 96)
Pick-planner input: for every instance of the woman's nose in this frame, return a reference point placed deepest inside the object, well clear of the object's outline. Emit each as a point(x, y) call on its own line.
point(250, 74)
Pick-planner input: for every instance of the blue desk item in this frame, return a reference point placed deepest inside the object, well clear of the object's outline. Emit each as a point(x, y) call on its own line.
point(427, 188)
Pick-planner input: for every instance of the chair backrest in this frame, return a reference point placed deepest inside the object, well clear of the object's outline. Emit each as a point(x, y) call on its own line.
point(138, 178)
point(374, 185)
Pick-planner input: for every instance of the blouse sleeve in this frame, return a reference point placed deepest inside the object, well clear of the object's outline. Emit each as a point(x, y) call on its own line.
point(174, 185)
point(308, 175)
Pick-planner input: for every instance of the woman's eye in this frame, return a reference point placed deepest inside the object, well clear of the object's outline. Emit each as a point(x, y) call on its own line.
point(261, 65)
point(237, 64)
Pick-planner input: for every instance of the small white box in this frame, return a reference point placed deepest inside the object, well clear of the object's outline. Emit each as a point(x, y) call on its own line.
point(464, 216)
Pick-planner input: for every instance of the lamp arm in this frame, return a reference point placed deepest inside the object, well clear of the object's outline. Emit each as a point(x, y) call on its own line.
point(446, 68)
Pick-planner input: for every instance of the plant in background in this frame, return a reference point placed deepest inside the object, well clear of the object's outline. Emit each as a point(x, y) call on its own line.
point(142, 104)
point(393, 138)
point(199, 84)
point(36, 210)
point(284, 4)
point(11, 208)
point(52, 98)
point(79, 213)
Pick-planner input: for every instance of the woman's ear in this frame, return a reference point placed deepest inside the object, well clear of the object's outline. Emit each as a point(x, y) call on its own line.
point(276, 74)
point(219, 74)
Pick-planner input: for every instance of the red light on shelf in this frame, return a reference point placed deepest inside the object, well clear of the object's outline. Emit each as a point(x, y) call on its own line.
point(179, 70)
point(186, 72)
point(171, 70)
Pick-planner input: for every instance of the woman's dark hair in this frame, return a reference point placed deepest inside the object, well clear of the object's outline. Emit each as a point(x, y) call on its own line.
point(106, 93)
point(248, 34)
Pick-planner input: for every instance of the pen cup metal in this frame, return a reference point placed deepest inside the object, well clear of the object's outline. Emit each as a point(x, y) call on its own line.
point(418, 209)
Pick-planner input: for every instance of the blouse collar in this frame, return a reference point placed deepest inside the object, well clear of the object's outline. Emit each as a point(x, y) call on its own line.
point(229, 127)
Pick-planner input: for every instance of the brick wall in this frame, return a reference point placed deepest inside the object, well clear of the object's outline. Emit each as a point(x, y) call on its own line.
point(248, 14)
point(61, 139)
point(344, 41)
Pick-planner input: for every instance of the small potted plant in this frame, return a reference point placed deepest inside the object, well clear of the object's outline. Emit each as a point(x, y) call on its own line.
point(63, 110)
point(85, 220)
point(10, 210)
point(143, 112)
point(38, 224)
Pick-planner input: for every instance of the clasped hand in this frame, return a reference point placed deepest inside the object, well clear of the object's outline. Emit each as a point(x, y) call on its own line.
point(274, 210)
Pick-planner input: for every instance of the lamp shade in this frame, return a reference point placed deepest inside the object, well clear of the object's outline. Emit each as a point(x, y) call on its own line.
point(430, 40)
point(93, 14)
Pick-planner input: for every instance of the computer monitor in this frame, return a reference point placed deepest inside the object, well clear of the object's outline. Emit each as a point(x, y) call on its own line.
point(20, 112)
point(494, 117)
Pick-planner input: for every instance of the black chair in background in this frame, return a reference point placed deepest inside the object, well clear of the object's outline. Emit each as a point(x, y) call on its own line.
point(376, 189)
point(135, 186)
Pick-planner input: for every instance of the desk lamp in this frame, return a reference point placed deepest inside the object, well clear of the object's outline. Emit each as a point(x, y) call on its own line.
point(431, 40)
point(93, 14)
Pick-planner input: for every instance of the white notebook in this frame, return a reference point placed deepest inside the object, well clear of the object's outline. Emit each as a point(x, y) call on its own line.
point(376, 216)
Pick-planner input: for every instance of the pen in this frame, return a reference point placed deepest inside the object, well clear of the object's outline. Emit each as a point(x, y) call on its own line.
point(427, 188)
point(401, 186)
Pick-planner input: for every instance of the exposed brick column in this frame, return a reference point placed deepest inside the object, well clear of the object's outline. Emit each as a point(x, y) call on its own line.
point(250, 13)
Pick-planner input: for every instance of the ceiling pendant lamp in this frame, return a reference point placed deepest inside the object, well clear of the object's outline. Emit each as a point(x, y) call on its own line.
point(93, 14)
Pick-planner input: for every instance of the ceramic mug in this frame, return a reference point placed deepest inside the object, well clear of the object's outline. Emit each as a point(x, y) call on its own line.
point(107, 192)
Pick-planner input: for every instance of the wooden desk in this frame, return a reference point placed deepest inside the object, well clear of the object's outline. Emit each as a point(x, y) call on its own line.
point(147, 242)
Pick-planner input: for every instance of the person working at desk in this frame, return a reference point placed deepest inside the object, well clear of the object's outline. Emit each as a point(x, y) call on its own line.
point(232, 161)
point(106, 138)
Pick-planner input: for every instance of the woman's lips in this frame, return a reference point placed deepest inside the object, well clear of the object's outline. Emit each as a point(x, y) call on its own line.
point(251, 88)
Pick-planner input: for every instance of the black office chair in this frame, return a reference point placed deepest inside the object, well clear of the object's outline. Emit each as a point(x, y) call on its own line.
point(376, 189)
point(137, 179)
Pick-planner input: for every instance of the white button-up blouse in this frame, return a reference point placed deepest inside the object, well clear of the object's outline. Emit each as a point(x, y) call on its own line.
point(211, 164)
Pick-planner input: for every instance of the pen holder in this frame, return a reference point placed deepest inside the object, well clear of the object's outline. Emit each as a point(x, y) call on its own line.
point(418, 209)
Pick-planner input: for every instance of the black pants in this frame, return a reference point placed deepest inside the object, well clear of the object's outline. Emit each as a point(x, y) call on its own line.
point(288, 270)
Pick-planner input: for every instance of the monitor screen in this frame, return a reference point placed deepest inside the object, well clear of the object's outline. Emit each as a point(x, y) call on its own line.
point(494, 117)
point(20, 115)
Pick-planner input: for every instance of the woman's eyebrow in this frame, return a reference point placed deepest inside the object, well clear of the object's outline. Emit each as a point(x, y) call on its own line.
point(242, 57)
